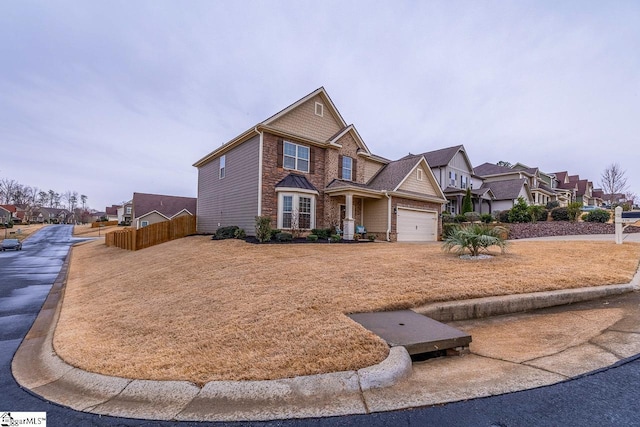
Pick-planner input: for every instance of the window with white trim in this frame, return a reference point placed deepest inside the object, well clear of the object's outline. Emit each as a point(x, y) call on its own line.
point(453, 178)
point(296, 210)
point(223, 164)
point(128, 210)
point(347, 168)
point(419, 174)
point(144, 223)
point(319, 109)
point(464, 182)
point(296, 157)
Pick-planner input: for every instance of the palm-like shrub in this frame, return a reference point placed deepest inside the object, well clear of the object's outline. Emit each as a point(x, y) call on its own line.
point(475, 237)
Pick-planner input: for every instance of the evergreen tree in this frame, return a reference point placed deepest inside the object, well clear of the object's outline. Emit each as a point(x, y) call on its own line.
point(467, 204)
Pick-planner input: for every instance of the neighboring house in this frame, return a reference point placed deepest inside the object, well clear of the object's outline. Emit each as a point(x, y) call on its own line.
point(125, 213)
point(5, 215)
point(153, 208)
point(452, 169)
point(506, 184)
point(111, 212)
point(306, 168)
point(44, 215)
point(565, 189)
point(540, 184)
point(584, 190)
point(12, 210)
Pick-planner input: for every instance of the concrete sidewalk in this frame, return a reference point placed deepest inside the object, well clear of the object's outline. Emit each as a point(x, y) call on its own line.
point(508, 353)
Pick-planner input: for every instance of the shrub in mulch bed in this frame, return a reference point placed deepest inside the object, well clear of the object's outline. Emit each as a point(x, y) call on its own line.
point(301, 240)
point(562, 228)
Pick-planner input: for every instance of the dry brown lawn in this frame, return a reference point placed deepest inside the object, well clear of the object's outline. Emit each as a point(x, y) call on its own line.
point(25, 231)
point(85, 230)
point(200, 310)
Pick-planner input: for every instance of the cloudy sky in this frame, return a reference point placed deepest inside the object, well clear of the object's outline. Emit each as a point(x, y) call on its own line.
point(111, 97)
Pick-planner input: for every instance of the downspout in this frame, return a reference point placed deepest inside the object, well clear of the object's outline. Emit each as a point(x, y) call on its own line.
point(388, 214)
point(259, 172)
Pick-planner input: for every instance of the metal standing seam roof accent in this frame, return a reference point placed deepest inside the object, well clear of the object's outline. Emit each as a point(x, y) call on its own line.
point(294, 180)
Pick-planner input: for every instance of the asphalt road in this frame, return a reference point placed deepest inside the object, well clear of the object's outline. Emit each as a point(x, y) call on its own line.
point(605, 398)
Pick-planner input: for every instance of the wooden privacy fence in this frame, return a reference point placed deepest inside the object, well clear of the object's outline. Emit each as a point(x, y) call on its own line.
point(103, 223)
point(154, 234)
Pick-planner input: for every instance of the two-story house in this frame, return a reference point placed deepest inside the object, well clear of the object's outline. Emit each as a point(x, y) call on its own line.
point(306, 168)
point(506, 184)
point(452, 169)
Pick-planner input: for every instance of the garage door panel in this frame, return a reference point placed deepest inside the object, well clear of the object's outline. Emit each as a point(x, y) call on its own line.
point(416, 226)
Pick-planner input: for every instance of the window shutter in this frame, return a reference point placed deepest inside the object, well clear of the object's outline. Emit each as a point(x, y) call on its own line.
point(312, 160)
point(354, 168)
point(339, 166)
point(280, 152)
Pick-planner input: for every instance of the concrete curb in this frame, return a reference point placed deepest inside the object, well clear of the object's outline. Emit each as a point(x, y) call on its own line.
point(495, 306)
point(37, 367)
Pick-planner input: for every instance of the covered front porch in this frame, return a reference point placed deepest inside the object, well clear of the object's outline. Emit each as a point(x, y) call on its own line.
point(350, 207)
point(481, 199)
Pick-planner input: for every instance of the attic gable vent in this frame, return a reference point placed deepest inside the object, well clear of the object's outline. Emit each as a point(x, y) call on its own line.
point(319, 109)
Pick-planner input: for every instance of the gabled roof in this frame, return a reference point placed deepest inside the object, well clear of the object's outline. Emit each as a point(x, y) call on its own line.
point(10, 208)
point(488, 169)
point(320, 91)
point(111, 210)
point(561, 176)
point(351, 129)
point(254, 130)
point(294, 180)
point(443, 156)
point(167, 206)
point(391, 176)
point(509, 189)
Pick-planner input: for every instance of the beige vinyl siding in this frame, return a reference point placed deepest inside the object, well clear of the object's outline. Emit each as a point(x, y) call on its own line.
point(412, 184)
point(152, 217)
point(370, 169)
point(375, 216)
point(232, 200)
point(303, 121)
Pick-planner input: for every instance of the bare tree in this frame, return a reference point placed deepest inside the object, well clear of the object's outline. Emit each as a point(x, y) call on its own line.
point(83, 199)
point(613, 180)
point(504, 163)
point(7, 190)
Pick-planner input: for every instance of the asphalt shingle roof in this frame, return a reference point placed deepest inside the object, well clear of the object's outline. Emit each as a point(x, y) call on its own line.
point(487, 169)
point(508, 189)
point(393, 173)
point(168, 206)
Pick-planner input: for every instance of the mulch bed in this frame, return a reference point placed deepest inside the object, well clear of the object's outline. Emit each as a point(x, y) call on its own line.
point(300, 240)
point(562, 228)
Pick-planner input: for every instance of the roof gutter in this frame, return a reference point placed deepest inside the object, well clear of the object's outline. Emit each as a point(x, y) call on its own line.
point(386, 193)
point(260, 146)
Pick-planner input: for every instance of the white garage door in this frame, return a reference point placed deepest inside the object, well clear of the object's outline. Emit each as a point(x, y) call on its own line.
point(417, 226)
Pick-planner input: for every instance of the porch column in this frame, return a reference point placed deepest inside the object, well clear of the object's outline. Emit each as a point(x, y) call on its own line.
point(348, 220)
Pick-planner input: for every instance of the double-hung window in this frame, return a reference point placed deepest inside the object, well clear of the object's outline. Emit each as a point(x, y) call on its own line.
point(347, 168)
point(296, 157)
point(464, 182)
point(453, 178)
point(296, 211)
